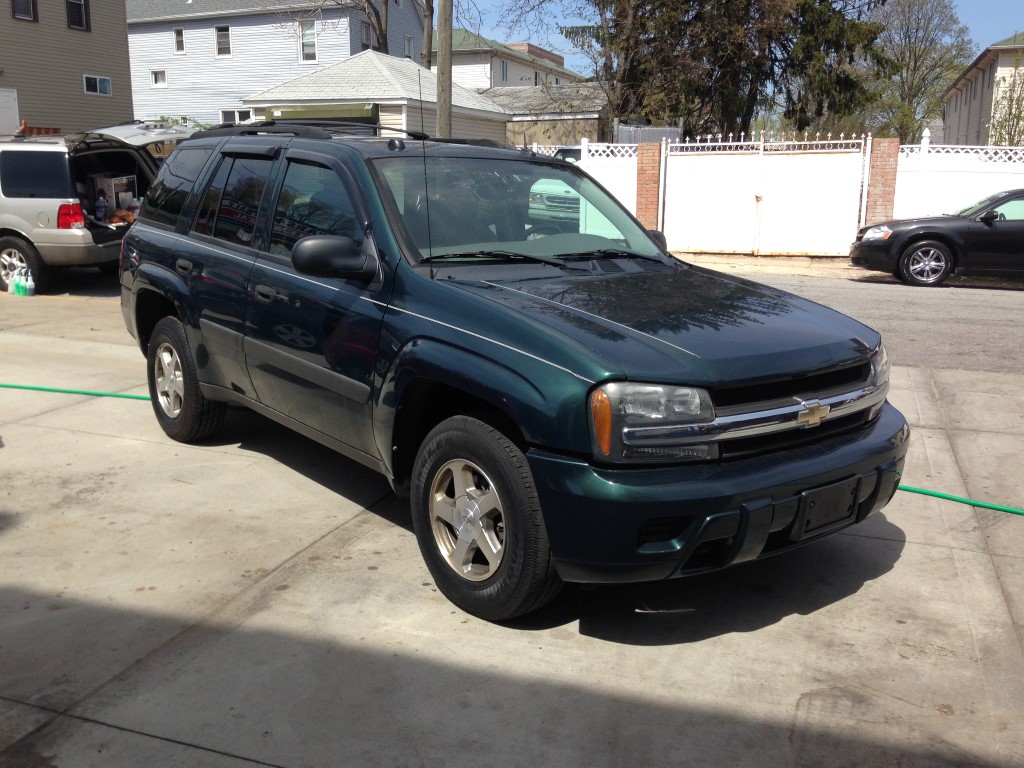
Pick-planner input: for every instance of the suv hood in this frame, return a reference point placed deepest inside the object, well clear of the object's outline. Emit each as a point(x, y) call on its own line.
point(688, 325)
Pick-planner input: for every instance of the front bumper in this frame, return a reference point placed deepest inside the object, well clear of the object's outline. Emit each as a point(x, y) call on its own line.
point(641, 524)
point(873, 254)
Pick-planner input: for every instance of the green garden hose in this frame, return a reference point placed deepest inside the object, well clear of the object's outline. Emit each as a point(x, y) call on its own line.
point(907, 488)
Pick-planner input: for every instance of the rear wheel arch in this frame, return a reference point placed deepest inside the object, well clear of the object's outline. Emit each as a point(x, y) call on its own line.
point(151, 307)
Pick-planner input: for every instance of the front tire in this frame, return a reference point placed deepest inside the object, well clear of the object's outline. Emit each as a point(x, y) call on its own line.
point(926, 263)
point(17, 254)
point(478, 521)
point(181, 409)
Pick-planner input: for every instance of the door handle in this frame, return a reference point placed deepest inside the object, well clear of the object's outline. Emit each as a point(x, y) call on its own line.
point(264, 293)
point(183, 267)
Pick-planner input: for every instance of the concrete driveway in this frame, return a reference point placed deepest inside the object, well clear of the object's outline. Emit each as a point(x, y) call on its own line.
point(258, 600)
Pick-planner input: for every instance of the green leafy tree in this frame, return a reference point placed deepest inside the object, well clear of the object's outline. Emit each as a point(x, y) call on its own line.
point(925, 47)
point(717, 65)
point(1007, 126)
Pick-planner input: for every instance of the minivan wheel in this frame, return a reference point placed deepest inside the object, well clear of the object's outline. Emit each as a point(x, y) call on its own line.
point(180, 407)
point(16, 254)
point(478, 521)
point(926, 263)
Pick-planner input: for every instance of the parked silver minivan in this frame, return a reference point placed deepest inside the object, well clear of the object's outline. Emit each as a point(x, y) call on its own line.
point(68, 200)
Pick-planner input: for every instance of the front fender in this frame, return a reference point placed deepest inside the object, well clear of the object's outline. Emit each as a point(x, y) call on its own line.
point(546, 403)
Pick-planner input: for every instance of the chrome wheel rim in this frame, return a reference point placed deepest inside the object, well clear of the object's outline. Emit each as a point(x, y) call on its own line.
point(927, 264)
point(170, 384)
point(467, 520)
point(11, 260)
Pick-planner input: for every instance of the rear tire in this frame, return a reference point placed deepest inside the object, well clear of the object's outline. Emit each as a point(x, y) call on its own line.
point(15, 254)
point(926, 263)
point(182, 410)
point(478, 521)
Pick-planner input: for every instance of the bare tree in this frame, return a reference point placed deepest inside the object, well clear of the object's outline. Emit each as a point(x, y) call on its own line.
point(926, 47)
point(375, 11)
point(1007, 126)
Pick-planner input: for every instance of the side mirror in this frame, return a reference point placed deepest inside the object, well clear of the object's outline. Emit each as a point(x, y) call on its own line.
point(333, 256)
point(988, 217)
point(659, 238)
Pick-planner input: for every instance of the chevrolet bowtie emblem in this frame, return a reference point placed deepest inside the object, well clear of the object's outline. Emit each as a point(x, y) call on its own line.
point(813, 414)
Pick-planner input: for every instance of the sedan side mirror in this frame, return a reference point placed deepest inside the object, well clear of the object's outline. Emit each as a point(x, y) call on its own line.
point(988, 217)
point(334, 256)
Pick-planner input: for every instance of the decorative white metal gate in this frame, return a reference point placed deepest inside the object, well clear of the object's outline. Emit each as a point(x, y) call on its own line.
point(771, 196)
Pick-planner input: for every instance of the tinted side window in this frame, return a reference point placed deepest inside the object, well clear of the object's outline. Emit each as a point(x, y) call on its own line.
point(240, 202)
point(35, 174)
point(313, 201)
point(167, 196)
point(207, 217)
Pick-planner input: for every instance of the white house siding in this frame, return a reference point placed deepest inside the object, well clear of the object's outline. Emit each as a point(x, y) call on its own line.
point(969, 107)
point(463, 126)
point(518, 74)
point(472, 70)
point(264, 53)
point(407, 20)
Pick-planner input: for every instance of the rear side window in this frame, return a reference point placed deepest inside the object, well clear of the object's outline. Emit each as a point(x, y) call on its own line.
point(167, 196)
point(35, 174)
point(232, 201)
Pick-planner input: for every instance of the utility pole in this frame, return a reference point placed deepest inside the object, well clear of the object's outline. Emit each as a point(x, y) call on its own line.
point(444, 68)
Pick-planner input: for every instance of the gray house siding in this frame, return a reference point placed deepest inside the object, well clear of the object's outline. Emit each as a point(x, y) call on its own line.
point(45, 61)
point(265, 52)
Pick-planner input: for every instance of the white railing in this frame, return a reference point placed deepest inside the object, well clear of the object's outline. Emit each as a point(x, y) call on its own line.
point(768, 142)
point(983, 154)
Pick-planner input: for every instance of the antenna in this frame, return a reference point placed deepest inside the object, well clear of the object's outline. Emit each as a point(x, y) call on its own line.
point(426, 190)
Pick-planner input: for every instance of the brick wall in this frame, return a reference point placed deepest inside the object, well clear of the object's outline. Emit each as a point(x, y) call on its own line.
point(882, 184)
point(648, 184)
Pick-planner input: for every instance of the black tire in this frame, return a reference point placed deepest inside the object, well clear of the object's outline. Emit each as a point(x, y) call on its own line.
point(927, 262)
point(180, 407)
point(503, 567)
point(15, 254)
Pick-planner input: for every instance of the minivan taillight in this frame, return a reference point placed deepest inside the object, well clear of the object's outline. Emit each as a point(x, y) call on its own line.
point(70, 216)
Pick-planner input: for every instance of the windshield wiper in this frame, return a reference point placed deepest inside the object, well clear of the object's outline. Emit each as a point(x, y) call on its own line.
point(498, 255)
point(609, 253)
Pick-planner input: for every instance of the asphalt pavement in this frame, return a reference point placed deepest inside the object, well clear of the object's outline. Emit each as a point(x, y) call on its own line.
point(260, 601)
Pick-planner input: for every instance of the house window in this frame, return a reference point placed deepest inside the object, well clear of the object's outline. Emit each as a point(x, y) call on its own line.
point(504, 71)
point(96, 84)
point(78, 13)
point(235, 115)
point(158, 78)
point(368, 37)
point(408, 46)
point(179, 41)
point(25, 9)
point(223, 40)
point(557, 81)
point(536, 78)
point(307, 41)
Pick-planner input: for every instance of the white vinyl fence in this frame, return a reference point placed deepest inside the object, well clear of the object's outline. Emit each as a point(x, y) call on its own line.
point(613, 165)
point(937, 179)
point(764, 197)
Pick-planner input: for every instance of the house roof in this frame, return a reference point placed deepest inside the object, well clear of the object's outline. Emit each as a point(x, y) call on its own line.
point(165, 10)
point(570, 98)
point(1013, 42)
point(371, 76)
point(463, 40)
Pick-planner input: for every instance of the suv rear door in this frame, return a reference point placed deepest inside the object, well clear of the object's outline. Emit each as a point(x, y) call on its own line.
point(311, 342)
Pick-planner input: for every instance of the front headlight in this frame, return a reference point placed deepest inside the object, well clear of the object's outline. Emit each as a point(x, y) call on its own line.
point(880, 232)
point(880, 367)
point(645, 422)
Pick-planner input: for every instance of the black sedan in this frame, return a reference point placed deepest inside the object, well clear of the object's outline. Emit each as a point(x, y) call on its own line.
point(986, 238)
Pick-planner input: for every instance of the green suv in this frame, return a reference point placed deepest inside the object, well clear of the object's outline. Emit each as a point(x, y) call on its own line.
point(573, 405)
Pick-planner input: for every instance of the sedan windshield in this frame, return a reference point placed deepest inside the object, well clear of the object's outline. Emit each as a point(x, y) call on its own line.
point(980, 205)
point(473, 208)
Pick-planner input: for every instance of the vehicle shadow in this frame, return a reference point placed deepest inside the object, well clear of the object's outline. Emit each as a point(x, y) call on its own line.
point(744, 598)
point(84, 282)
point(953, 281)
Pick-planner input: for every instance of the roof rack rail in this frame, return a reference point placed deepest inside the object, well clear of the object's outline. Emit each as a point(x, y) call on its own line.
point(475, 142)
point(306, 128)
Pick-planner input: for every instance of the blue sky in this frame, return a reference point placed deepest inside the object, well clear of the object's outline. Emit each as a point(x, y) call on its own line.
point(988, 20)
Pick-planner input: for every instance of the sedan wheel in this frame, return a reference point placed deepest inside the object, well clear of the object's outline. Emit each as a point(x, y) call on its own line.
point(926, 263)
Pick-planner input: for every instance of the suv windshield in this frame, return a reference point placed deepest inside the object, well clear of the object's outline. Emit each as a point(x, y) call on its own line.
point(464, 207)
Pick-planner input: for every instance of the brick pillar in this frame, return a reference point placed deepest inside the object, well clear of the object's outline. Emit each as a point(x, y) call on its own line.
point(885, 155)
point(648, 184)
